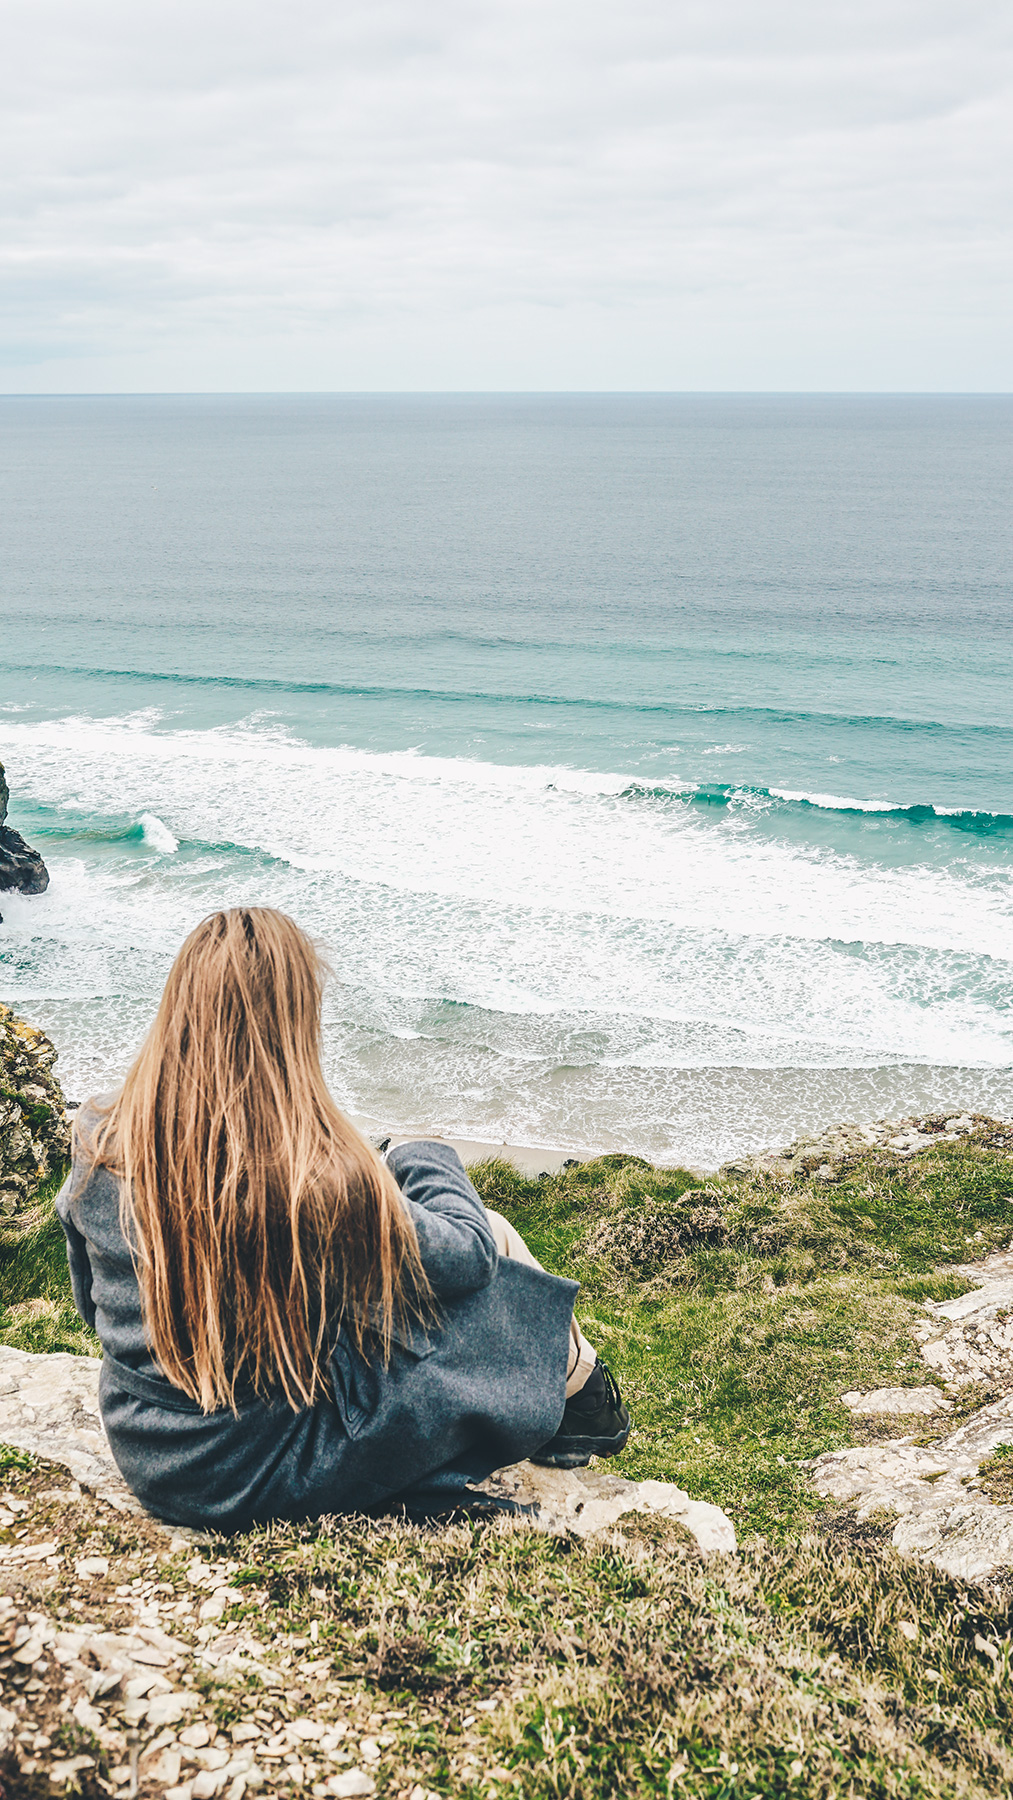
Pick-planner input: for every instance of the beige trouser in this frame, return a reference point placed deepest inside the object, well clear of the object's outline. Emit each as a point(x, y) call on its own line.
point(582, 1357)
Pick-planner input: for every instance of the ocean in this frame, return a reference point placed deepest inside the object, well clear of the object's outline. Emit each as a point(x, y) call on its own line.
point(644, 763)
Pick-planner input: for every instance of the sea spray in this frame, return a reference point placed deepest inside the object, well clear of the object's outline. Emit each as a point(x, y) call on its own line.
point(157, 835)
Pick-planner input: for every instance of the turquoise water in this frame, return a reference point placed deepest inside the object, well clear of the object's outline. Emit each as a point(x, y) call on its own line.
point(644, 763)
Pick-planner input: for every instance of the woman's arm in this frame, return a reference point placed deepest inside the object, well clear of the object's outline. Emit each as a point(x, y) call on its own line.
point(455, 1239)
point(77, 1256)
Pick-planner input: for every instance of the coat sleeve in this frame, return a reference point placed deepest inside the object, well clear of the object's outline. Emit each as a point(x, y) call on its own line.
point(77, 1256)
point(456, 1243)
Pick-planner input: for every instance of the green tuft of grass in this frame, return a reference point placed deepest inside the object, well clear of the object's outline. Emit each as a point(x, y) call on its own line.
point(37, 1310)
point(19, 1460)
point(997, 1475)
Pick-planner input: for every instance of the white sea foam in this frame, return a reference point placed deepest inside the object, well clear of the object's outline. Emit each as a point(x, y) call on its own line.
point(534, 837)
point(836, 802)
point(158, 834)
point(494, 927)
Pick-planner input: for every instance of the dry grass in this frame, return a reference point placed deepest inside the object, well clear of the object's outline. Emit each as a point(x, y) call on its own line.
point(493, 1660)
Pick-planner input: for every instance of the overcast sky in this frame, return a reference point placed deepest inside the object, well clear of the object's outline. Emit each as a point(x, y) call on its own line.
point(441, 194)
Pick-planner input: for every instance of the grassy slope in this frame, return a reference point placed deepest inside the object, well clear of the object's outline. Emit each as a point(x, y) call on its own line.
point(747, 1316)
point(37, 1311)
point(733, 1322)
point(628, 1666)
point(812, 1665)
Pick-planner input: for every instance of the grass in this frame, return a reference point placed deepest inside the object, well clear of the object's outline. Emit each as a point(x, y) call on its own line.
point(490, 1660)
point(816, 1665)
point(997, 1475)
point(734, 1315)
point(634, 1667)
point(37, 1310)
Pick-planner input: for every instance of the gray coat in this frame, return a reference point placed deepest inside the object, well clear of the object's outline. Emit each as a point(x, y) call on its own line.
point(483, 1388)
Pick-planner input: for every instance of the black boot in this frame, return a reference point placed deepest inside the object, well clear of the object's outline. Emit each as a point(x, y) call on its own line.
point(595, 1423)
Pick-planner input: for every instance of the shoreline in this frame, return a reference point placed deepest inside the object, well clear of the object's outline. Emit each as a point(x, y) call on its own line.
point(529, 1159)
point(694, 1118)
point(808, 1153)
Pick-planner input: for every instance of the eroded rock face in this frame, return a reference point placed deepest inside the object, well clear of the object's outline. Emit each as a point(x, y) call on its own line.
point(49, 1407)
point(970, 1339)
point(21, 867)
point(942, 1516)
point(34, 1131)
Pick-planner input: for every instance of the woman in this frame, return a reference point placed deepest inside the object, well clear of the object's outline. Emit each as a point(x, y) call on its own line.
point(290, 1326)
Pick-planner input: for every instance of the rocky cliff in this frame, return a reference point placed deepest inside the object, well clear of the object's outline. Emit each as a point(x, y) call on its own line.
point(21, 867)
point(34, 1131)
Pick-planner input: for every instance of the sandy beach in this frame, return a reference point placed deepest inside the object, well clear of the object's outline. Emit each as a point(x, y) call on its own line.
point(528, 1158)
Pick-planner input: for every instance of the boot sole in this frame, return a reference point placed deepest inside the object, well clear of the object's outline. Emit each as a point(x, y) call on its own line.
point(576, 1452)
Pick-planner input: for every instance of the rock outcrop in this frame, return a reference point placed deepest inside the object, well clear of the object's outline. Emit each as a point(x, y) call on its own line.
point(49, 1407)
point(584, 1501)
point(34, 1131)
point(970, 1339)
point(640, 1243)
point(892, 1402)
point(933, 1489)
point(825, 1153)
point(21, 867)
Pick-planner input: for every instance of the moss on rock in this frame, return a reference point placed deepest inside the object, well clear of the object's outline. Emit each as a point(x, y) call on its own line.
point(34, 1129)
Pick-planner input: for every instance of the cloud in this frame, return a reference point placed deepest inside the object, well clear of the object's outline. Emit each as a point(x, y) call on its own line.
point(505, 194)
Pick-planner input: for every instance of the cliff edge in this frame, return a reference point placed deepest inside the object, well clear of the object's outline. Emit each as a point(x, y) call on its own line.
point(34, 1132)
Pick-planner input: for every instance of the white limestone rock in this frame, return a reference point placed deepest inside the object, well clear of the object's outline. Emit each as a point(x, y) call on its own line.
point(970, 1339)
point(897, 1400)
point(899, 1477)
point(941, 1516)
point(970, 1542)
point(584, 1501)
point(49, 1407)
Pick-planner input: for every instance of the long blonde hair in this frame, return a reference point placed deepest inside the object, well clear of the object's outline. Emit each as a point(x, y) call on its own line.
point(260, 1219)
